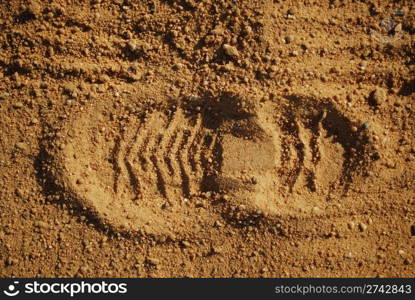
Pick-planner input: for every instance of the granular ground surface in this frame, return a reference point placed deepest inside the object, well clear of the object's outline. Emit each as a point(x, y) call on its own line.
point(183, 138)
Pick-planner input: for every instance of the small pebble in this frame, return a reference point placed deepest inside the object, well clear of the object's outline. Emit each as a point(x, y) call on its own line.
point(230, 50)
point(4, 96)
point(165, 205)
point(11, 261)
point(377, 97)
point(363, 65)
point(153, 261)
point(316, 209)
point(34, 121)
point(398, 28)
point(42, 224)
point(289, 39)
point(216, 250)
point(362, 227)
point(185, 244)
point(18, 105)
point(218, 224)
point(132, 45)
point(22, 147)
point(351, 225)
point(366, 125)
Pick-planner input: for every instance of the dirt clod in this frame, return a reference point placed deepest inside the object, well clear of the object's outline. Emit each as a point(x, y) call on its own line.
point(378, 97)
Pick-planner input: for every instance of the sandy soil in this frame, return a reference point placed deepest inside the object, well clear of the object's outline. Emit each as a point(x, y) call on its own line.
point(186, 138)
